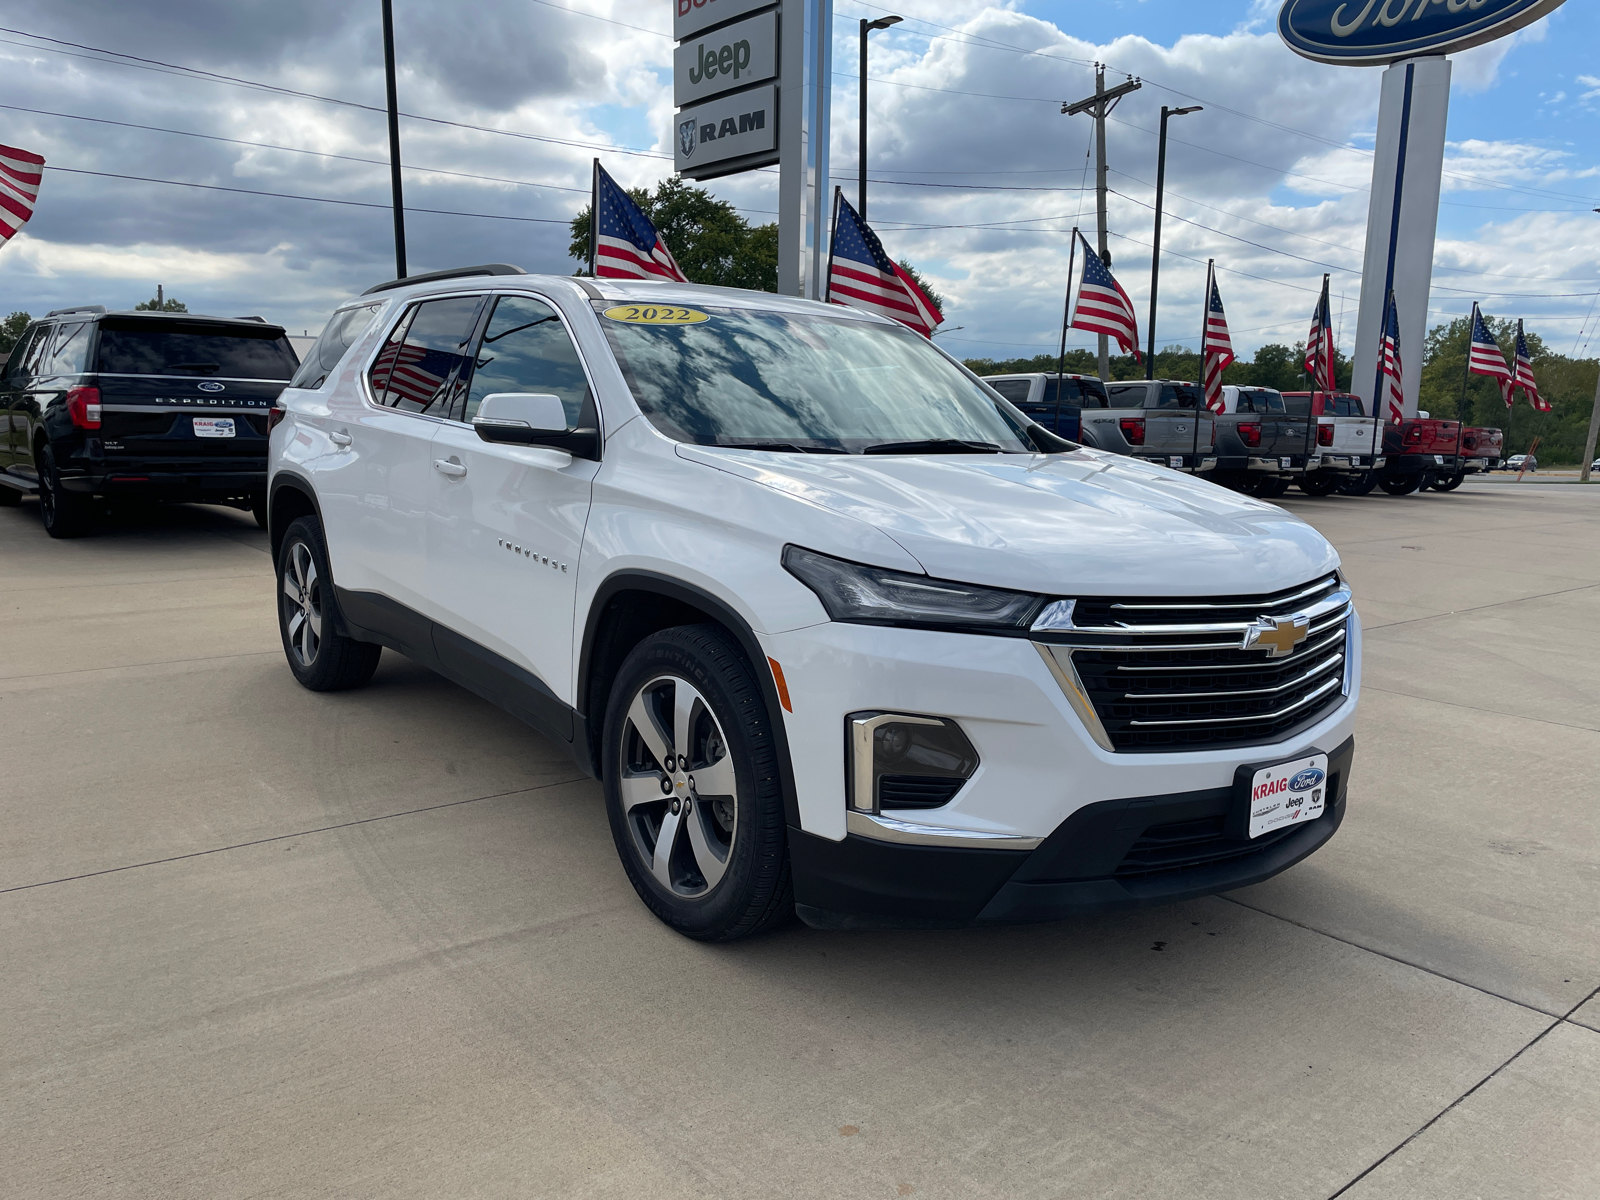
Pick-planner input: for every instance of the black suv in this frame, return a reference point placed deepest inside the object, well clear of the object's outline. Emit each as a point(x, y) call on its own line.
point(153, 405)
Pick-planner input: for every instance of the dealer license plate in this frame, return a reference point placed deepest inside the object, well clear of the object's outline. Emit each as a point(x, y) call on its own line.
point(1175, 461)
point(1289, 793)
point(209, 427)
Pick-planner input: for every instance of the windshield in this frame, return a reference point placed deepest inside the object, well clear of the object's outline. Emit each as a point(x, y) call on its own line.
point(152, 347)
point(783, 381)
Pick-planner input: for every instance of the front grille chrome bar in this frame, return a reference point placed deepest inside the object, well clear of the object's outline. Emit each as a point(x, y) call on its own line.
point(1256, 717)
point(1328, 606)
point(1327, 664)
point(1269, 601)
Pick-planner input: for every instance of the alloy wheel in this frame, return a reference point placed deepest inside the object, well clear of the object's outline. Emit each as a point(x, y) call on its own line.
point(302, 602)
point(679, 796)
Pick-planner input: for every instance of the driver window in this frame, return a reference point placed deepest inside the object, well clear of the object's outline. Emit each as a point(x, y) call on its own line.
point(525, 348)
point(15, 369)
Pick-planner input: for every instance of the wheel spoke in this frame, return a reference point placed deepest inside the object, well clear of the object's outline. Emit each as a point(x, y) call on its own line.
point(639, 789)
point(683, 699)
point(644, 720)
point(290, 588)
point(708, 855)
point(311, 572)
point(661, 862)
point(314, 619)
point(297, 561)
point(296, 620)
point(715, 780)
point(308, 647)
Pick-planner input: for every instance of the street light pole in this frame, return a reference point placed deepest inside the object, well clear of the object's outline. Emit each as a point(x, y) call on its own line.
point(1594, 431)
point(394, 143)
point(861, 186)
point(1155, 253)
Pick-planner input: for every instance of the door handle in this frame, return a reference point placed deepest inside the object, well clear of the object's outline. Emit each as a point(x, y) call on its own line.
point(340, 439)
point(449, 467)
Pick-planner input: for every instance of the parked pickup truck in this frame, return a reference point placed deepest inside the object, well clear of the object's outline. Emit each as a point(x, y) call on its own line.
point(1348, 446)
point(1056, 402)
point(1416, 453)
point(1162, 421)
point(1481, 450)
point(1261, 446)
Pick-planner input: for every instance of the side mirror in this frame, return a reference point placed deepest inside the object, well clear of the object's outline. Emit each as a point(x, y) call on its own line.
point(533, 419)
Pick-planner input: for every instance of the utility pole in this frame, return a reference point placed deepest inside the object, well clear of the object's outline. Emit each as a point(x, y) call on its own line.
point(1155, 250)
point(394, 143)
point(1099, 106)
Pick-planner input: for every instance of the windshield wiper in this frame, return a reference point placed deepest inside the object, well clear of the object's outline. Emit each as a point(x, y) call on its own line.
point(781, 446)
point(934, 446)
point(196, 366)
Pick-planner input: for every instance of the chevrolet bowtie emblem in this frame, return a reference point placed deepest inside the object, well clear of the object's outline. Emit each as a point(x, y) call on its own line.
point(1278, 636)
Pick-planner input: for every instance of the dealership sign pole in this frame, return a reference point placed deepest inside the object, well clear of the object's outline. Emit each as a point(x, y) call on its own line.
point(751, 80)
point(1412, 37)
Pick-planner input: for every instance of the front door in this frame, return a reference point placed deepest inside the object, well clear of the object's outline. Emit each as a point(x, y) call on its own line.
point(12, 388)
point(376, 476)
point(507, 522)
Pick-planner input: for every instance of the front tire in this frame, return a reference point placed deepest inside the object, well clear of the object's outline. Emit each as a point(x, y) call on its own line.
point(321, 658)
point(1361, 485)
point(692, 786)
point(64, 514)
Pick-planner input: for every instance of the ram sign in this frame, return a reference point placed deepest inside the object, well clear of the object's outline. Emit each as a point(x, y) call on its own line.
point(1363, 32)
point(708, 137)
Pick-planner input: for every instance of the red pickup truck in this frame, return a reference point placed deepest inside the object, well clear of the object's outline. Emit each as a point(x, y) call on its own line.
point(1481, 450)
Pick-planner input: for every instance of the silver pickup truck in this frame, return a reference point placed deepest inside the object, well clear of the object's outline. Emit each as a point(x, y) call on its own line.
point(1160, 420)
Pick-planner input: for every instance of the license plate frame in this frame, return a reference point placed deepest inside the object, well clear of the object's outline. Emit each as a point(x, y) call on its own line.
point(1259, 808)
point(213, 427)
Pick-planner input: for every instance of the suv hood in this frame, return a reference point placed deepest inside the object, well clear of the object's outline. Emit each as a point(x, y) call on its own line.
point(1086, 523)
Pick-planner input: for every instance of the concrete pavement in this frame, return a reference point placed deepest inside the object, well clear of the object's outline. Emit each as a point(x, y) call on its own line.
point(260, 942)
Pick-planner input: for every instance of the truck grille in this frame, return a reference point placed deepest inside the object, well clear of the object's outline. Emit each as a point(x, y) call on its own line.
point(1152, 675)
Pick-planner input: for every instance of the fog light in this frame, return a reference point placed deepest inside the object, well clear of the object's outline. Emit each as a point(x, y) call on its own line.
point(902, 761)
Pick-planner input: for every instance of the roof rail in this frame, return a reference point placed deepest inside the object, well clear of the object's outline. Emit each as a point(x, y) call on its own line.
point(263, 320)
point(82, 308)
point(453, 273)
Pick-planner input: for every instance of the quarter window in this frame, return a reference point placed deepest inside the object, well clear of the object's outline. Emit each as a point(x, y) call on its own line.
point(343, 328)
point(424, 363)
point(70, 351)
point(1014, 390)
point(525, 348)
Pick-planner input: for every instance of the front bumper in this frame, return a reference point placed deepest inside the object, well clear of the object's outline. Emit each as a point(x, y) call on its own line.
point(1116, 854)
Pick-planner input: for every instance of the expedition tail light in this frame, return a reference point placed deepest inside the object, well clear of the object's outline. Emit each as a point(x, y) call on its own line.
point(275, 415)
point(1324, 435)
point(1133, 430)
point(1250, 433)
point(83, 406)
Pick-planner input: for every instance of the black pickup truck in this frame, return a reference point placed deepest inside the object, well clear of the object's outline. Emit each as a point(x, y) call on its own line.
point(147, 405)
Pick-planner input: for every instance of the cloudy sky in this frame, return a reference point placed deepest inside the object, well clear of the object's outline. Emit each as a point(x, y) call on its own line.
point(981, 173)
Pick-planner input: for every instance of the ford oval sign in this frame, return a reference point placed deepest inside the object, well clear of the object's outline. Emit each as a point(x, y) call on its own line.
point(1309, 778)
point(210, 386)
point(1364, 32)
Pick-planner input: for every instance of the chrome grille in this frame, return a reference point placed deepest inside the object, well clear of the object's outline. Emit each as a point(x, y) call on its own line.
point(1152, 675)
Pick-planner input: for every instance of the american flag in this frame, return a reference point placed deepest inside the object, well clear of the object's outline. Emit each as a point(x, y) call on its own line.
point(1391, 369)
point(862, 275)
point(1218, 350)
point(627, 245)
point(1320, 360)
point(402, 372)
point(20, 172)
point(1524, 375)
point(1102, 306)
point(1486, 357)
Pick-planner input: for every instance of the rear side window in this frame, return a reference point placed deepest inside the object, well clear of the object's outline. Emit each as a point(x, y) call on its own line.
point(422, 365)
point(1014, 390)
point(526, 349)
point(1178, 396)
point(1348, 406)
point(70, 350)
point(131, 346)
point(1129, 395)
point(338, 335)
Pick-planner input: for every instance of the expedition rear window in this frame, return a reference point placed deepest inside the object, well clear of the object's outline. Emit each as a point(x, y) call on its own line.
point(131, 346)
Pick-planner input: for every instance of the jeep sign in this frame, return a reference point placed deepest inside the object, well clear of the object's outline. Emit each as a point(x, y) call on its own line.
point(733, 127)
point(734, 56)
point(689, 17)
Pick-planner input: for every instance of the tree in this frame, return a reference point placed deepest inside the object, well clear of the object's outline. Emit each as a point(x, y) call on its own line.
point(711, 241)
point(11, 329)
point(158, 304)
point(1567, 383)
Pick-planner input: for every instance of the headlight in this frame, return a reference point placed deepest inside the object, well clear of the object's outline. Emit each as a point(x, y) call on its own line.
point(875, 596)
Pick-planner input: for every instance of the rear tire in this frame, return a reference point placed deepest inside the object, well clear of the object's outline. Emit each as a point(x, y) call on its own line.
point(1361, 485)
point(1449, 484)
point(321, 658)
point(1269, 487)
point(63, 514)
point(1403, 485)
point(686, 714)
point(1319, 483)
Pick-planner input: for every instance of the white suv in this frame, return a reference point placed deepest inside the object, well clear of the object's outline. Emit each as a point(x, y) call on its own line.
point(838, 629)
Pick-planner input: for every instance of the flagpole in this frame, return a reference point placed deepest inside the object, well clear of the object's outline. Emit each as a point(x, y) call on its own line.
point(594, 217)
point(1066, 315)
point(1325, 321)
point(1466, 377)
point(833, 236)
point(1205, 331)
